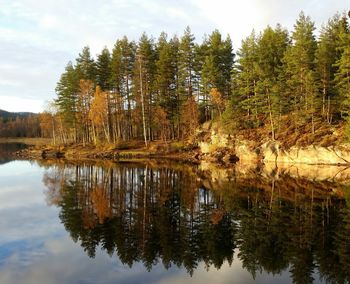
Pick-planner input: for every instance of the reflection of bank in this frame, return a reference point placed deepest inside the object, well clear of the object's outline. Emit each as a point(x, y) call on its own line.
point(182, 216)
point(8, 151)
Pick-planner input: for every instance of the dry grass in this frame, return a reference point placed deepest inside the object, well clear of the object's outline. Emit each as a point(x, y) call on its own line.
point(288, 134)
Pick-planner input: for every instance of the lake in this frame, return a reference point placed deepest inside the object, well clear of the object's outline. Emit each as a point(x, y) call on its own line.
point(153, 221)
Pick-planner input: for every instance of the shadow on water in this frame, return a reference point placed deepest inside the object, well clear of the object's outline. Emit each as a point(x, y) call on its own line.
point(175, 215)
point(8, 151)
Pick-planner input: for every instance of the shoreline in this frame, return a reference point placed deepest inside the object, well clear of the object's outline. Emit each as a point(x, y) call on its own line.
point(287, 179)
point(220, 155)
point(89, 152)
point(329, 178)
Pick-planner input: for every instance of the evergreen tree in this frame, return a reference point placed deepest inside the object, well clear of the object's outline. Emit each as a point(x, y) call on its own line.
point(145, 73)
point(217, 65)
point(342, 75)
point(300, 69)
point(326, 56)
point(103, 74)
point(271, 47)
point(103, 69)
point(166, 82)
point(121, 82)
point(186, 65)
point(85, 66)
point(247, 77)
point(165, 77)
point(67, 89)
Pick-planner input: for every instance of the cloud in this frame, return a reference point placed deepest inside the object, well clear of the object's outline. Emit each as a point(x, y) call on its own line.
point(15, 104)
point(240, 19)
point(23, 211)
point(59, 260)
point(49, 22)
point(39, 37)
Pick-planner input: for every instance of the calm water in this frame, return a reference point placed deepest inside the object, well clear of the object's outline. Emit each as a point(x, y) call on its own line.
point(151, 222)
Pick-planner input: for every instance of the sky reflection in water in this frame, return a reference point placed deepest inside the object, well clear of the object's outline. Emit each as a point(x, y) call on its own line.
point(36, 248)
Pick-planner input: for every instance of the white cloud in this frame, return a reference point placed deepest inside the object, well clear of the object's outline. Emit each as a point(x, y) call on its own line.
point(59, 260)
point(23, 211)
point(48, 22)
point(16, 104)
point(240, 18)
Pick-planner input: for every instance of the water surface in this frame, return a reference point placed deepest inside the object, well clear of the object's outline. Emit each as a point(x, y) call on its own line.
point(158, 222)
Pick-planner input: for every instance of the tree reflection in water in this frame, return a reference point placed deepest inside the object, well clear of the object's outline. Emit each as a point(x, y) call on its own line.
point(177, 215)
point(8, 151)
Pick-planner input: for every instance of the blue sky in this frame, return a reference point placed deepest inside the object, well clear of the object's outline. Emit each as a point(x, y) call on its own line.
point(39, 37)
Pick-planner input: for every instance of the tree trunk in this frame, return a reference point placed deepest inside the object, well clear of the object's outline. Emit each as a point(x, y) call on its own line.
point(270, 115)
point(142, 104)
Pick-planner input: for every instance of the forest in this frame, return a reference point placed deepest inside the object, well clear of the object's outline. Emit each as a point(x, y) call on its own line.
point(19, 124)
point(278, 83)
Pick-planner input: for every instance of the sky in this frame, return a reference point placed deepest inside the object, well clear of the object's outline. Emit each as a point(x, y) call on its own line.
point(39, 37)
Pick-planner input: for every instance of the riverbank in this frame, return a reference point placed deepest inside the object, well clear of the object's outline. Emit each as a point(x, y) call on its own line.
point(216, 148)
point(216, 169)
point(135, 150)
point(212, 144)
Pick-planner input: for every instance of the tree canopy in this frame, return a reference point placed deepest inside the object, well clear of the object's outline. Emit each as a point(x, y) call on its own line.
point(275, 80)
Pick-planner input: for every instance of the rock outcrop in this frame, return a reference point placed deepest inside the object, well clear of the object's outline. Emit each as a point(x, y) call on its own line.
point(273, 152)
point(310, 155)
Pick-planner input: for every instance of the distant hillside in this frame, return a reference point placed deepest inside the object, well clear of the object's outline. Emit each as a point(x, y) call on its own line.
point(6, 115)
point(19, 124)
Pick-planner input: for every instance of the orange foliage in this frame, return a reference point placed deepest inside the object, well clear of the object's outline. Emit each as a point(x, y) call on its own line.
point(161, 122)
point(84, 96)
point(101, 204)
point(46, 123)
point(217, 99)
point(88, 218)
point(216, 216)
point(99, 107)
point(190, 116)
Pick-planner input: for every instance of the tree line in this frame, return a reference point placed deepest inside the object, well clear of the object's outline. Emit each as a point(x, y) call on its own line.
point(21, 126)
point(164, 88)
point(160, 214)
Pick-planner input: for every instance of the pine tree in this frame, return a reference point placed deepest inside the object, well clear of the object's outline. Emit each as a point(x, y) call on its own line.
point(103, 74)
point(121, 82)
point(85, 66)
point(186, 65)
point(165, 77)
point(218, 62)
point(217, 65)
point(166, 82)
point(342, 75)
point(300, 69)
point(145, 72)
point(271, 46)
point(103, 69)
point(326, 56)
point(174, 101)
point(67, 89)
point(247, 78)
